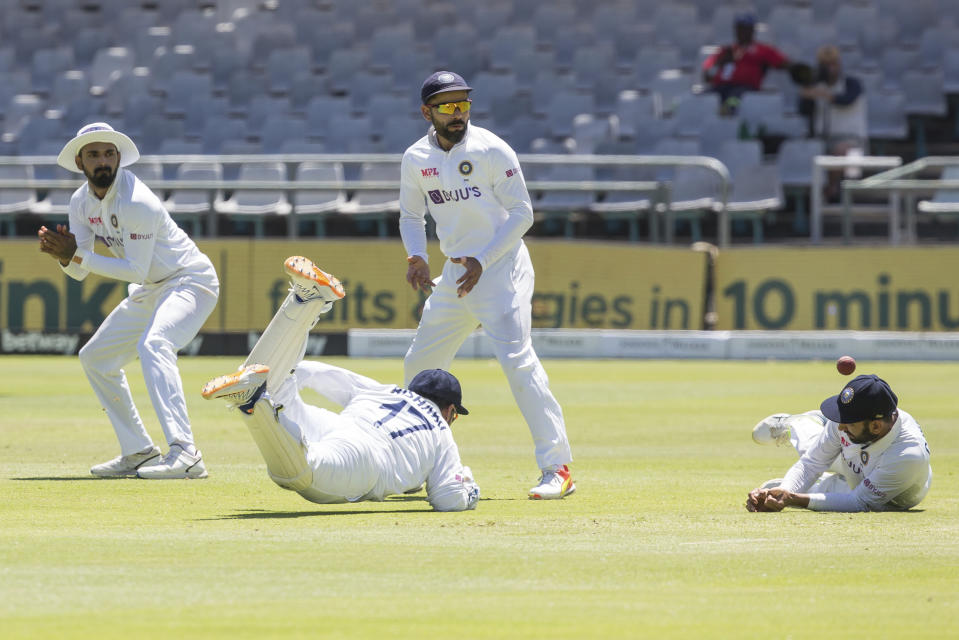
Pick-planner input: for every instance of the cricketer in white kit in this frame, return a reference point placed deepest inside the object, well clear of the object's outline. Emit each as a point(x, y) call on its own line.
point(470, 181)
point(387, 440)
point(173, 289)
point(859, 452)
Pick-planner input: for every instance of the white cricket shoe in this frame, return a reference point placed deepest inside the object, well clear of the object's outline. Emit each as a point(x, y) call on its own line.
point(310, 282)
point(773, 429)
point(553, 484)
point(126, 466)
point(240, 388)
point(176, 464)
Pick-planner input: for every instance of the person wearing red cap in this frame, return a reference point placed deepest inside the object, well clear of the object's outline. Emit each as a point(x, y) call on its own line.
point(387, 440)
point(173, 289)
point(859, 452)
point(741, 66)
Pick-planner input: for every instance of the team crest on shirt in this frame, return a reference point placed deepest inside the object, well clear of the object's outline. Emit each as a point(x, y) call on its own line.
point(466, 167)
point(846, 396)
point(114, 221)
point(864, 456)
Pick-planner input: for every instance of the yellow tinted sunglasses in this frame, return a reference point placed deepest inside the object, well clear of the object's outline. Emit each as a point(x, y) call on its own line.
point(449, 108)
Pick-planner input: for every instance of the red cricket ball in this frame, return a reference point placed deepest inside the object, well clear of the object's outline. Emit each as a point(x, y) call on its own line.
point(846, 365)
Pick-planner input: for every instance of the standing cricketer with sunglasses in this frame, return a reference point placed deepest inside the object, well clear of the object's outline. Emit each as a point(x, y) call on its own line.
point(469, 181)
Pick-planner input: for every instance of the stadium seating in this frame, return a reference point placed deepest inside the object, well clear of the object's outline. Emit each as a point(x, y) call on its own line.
point(375, 205)
point(944, 204)
point(795, 160)
point(567, 207)
point(317, 205)
point(266, 77)
point(192, 204)
point(255, 205)
point(15, 201)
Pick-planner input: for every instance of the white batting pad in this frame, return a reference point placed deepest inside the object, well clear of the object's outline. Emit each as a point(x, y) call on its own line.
point(283, 343)
point(285, 456)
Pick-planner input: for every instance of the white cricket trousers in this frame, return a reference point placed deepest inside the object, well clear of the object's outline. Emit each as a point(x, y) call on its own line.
point(502, 303)
point(153, 323)
point(341, 456)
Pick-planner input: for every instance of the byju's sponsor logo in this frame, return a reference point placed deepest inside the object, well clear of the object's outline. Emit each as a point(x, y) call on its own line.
point(512, 172)
point(141, 236)
point(439, 196)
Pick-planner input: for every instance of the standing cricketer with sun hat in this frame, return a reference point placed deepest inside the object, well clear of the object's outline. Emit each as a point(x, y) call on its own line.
point(173, 289)
point(470, 181)
point(859, 452)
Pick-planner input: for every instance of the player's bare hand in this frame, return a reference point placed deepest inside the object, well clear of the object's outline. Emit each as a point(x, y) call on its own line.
point(754, 499)
point(775, 499)
point(469, 279)
point(418, 274)
point(61, 244)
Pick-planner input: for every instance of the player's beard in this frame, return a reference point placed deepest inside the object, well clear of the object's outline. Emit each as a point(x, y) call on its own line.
point(863, 438)
point(101, 177)
point(444, 132)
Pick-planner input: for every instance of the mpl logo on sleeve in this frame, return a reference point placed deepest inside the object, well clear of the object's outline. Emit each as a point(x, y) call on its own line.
point(431, 172)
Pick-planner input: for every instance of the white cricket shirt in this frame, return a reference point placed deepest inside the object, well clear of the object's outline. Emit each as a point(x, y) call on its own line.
point(475, 192)
point(890, 473)
point(409, 441)
point(147, 245)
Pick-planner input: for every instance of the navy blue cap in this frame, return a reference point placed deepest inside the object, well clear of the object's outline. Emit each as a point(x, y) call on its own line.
point(443, 81)
point(745, 18)
point(864, 398)
point(440, 386)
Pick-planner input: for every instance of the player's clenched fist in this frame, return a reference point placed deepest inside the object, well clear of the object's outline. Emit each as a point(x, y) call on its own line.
point(775, 499)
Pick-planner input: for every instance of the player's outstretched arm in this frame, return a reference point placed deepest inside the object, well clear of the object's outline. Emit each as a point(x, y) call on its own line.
point(775, 499)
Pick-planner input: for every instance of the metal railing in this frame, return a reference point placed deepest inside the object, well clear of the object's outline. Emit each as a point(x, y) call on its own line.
point(821, 164)
point(658, 188)
point(893, 182)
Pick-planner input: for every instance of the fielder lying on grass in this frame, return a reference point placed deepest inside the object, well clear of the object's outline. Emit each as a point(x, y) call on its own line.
point(387, 440)
point(860, 452)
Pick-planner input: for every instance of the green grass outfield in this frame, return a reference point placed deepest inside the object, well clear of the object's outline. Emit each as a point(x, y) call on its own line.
point(655, 543)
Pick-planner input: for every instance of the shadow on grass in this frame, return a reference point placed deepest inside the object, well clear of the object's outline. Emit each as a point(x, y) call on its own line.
point(262, 514)
point(71, 478)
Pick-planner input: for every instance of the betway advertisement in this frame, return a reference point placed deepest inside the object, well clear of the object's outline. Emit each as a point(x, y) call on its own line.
point(578, 285)
point(863, 288)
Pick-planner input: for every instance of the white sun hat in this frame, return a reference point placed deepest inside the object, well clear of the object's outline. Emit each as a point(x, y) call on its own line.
point(97, 132)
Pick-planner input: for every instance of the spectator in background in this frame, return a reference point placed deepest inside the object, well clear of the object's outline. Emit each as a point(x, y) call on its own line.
point(836, 108)
point(835, 105)
point(741, 66)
